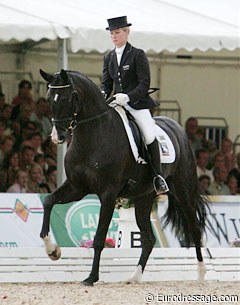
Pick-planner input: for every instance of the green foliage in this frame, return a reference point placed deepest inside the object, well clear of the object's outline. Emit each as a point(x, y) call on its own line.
point(126, 203)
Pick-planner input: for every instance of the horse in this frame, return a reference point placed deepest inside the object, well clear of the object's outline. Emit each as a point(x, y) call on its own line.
point(99, 161)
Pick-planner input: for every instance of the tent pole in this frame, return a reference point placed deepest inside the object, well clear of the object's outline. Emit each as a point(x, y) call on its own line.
point(61, 149)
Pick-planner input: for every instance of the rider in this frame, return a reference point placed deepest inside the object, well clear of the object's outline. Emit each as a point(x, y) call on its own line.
point(127, 69)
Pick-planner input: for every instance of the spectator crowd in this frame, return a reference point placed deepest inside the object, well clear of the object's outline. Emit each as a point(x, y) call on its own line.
point(27, 155)
point(218, 170)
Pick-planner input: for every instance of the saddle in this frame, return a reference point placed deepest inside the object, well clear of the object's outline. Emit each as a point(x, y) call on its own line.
point(137, 143)
point(139, 148)
point(137, 135)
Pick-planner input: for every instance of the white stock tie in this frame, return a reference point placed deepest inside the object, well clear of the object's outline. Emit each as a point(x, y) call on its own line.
point(119, 52)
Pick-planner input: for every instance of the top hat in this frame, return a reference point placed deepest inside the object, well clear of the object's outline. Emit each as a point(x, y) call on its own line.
point(117, 23)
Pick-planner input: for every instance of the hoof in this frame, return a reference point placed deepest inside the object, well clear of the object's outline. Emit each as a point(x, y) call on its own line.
point(201, 272)
point(85, 283)
point(128, 282)
point(136, 277)
point(89, 281)
point(56, 254)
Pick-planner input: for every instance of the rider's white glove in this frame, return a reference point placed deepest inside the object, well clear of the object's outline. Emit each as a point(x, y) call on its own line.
point(121, 99)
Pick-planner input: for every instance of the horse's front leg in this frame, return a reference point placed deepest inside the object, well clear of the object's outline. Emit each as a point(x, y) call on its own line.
point(63, 194)
point(106, 213)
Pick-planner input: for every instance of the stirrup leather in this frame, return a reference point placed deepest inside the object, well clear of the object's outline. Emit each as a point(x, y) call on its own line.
point(160, 185)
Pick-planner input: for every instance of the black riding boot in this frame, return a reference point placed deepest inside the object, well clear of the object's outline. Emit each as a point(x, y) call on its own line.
point(159, 182)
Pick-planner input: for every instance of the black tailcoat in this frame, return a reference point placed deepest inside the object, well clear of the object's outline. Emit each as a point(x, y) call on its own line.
point(132, 77)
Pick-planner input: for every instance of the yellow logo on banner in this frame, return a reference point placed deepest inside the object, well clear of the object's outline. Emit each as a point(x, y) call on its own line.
point(21, 210)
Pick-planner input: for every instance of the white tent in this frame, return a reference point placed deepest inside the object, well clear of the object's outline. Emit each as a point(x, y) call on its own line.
point(157, 25)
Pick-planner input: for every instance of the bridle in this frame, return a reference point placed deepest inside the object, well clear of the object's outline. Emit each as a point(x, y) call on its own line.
point(61, 123)
point(73, 122)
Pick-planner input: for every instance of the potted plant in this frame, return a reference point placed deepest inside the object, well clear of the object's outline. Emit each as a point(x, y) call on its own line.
point(109, 243)
point(235, 243)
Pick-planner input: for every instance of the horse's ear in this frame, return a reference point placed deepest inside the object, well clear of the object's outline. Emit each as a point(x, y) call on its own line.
point(48, 77)
point(64, 76)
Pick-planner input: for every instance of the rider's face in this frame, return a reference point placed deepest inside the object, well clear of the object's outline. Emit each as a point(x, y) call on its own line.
point(119, 36)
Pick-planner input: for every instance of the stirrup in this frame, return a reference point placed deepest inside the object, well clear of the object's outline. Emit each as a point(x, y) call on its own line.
point(160, 185)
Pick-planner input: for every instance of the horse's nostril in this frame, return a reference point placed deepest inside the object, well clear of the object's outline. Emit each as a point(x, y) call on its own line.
point(61, 138)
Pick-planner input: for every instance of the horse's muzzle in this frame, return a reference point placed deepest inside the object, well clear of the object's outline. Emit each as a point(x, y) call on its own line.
point(58, 136)
point(61, 139)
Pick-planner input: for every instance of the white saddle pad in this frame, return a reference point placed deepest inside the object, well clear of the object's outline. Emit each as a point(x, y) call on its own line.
point(167, 151)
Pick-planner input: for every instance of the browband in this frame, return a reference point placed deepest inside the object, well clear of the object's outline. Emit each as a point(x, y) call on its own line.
point(59, 87)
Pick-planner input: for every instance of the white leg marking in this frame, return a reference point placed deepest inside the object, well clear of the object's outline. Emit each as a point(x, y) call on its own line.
point(201, 271)
point(54, 135)
point(49, 246)
point(137, 275)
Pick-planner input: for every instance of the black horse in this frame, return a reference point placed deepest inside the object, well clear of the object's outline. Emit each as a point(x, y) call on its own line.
point(99, 161)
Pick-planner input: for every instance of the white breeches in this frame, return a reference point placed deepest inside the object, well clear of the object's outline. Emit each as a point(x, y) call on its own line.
point(145, 122)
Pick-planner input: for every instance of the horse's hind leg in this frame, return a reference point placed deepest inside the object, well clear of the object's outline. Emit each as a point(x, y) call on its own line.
point(63, 194)
point(201, 265)
point(196, 216)
point(183, 213)
point(143, 207)
point(197, 239)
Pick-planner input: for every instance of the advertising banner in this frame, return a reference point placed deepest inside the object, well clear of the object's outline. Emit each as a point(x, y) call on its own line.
point(20, 220)
point(223, 222)
point(75, 223)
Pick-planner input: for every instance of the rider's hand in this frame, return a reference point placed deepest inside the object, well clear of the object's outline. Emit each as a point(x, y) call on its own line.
point(121, 99)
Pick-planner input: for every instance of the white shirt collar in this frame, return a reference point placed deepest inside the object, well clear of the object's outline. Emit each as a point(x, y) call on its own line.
point(120, 50)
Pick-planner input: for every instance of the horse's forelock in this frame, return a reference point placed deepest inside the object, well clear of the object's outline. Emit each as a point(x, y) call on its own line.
point(58, 80)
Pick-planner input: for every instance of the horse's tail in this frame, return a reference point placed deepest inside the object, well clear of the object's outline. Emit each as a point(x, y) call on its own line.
point(202, 206)
point(178, 217)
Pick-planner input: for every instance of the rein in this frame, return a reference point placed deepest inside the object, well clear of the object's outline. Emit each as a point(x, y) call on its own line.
point(74, 123)
point(93, 117)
